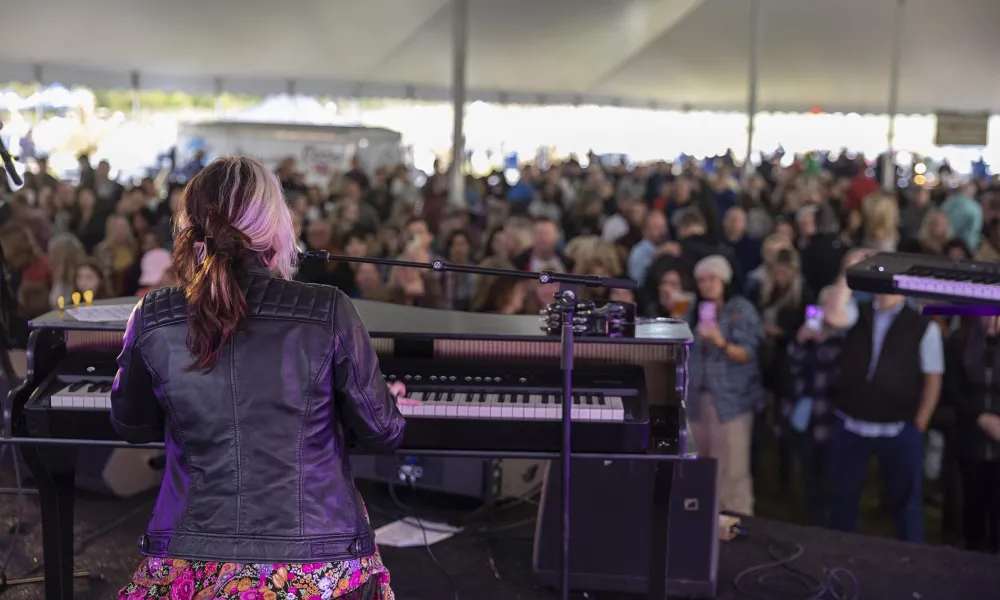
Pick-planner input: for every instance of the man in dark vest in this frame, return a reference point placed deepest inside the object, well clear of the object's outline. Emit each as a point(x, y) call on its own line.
point(891, 367)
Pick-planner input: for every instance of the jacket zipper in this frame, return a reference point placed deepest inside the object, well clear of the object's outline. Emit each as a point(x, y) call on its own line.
point(989, 408)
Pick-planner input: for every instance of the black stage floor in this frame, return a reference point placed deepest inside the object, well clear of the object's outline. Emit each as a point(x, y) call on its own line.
point(492, 560)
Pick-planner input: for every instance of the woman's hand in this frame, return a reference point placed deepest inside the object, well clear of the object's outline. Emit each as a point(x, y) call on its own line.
point(990, 424)
point(712, 335)
point(805, 334)
point(398, 390)
point(773, 330)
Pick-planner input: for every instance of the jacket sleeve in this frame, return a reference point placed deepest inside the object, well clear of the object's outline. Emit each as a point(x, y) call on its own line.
point(364, 403)
point(136, 414)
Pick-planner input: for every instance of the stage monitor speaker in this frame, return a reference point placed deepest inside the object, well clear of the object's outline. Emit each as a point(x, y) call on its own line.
point(610, 528)
point(118, 472)
point(482, 479)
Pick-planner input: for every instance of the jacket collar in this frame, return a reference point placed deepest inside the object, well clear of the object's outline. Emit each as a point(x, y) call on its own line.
point(254, 264)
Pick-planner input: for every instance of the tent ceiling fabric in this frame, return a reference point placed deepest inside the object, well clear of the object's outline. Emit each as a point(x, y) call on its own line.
point(831, 54)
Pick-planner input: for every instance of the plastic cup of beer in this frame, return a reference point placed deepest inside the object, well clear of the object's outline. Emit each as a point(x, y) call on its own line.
point(681, 304)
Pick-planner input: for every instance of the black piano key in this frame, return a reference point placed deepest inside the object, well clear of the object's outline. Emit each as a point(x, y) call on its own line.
point(545, 398)
point(76, 386)
point(600, 400)
point(93, 388)
point(590, 400)
point(576, 400)
point(522, 398)
point(557, 398)
point(479, 397)
point(106, 386)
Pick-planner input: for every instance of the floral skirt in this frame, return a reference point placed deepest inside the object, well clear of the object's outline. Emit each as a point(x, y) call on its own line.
point(177, 579)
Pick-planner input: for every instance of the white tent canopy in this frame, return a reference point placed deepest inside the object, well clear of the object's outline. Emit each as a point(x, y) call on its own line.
point(831, 54)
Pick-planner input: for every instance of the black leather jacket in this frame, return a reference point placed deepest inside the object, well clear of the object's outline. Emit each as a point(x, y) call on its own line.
point(256, 450)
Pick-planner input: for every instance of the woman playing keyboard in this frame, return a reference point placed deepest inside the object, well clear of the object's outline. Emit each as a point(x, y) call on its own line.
point(257, 383)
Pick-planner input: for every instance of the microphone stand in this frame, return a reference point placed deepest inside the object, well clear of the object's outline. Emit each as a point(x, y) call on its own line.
point(8, 304)
point(565, 300)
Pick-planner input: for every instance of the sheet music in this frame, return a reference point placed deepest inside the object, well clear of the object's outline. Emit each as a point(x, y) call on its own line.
point(94, 314)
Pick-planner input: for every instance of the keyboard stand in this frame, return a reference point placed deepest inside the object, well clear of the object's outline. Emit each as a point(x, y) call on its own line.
point(54, 470)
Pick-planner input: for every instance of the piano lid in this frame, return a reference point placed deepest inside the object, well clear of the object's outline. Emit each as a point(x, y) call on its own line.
point(395, 321)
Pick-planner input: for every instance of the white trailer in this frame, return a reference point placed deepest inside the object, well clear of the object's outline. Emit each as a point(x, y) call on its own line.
point(319, 150)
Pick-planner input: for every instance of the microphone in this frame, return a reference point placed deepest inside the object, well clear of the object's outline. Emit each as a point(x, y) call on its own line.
point(8, 164)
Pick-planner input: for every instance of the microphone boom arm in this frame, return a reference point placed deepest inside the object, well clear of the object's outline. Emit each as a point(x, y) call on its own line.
point(594, 281)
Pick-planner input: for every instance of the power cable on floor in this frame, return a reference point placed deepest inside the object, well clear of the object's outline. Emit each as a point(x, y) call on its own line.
point(837, 583)
point(423, 530)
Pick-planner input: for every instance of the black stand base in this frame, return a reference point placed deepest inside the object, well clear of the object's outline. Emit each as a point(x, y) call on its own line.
point(54, 470)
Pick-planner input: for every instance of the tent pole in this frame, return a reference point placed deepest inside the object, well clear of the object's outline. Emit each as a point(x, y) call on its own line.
point(136, 101)
point(889, 164)
point(218, 96)
point(459, 58)
point(753, 82)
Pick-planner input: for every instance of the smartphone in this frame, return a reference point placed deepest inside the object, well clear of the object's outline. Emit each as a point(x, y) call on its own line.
point(814, 317)
point(706, 313)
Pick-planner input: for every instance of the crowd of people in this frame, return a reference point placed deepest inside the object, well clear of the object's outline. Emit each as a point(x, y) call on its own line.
point(742, 257)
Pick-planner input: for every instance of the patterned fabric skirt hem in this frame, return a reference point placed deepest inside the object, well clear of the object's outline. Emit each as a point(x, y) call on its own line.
point(176, 579)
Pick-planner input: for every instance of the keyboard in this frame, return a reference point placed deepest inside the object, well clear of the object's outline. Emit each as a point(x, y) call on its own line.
point(927, 276)
point(514, 392)
point(485, 382)
point(463, 405)
point(493, 407)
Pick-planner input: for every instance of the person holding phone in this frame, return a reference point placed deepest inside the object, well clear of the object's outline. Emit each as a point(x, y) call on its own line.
point(805, 398)
point(724, 384)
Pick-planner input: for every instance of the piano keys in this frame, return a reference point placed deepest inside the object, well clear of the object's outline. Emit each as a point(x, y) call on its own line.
point(481, 405)
point(83, 395)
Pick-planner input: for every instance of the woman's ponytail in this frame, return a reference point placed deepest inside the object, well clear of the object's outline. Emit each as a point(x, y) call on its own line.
point(207, 259)
point(232, 211)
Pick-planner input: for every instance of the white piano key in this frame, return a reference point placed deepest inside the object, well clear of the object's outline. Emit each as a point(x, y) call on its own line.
point(617, 408)
point(462, 407)
point(507, 408)
point(493, 400)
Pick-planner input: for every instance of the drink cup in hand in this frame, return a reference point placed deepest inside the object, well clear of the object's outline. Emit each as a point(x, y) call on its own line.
point(399, 390)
